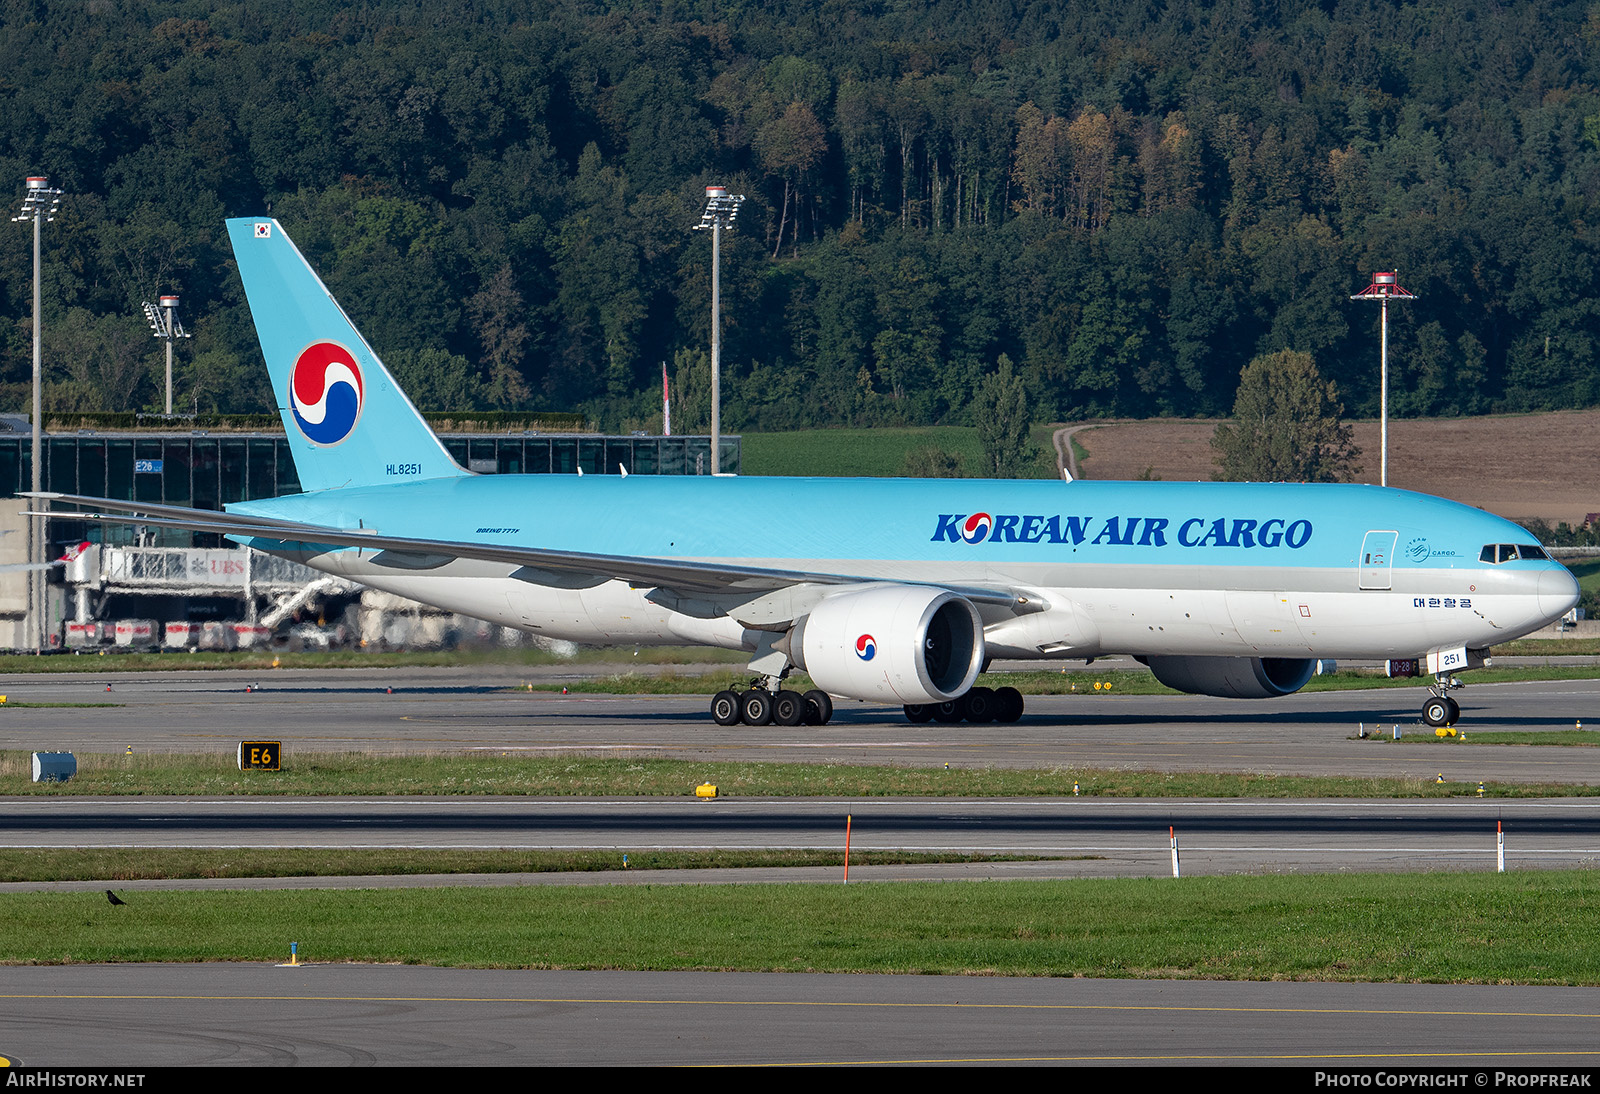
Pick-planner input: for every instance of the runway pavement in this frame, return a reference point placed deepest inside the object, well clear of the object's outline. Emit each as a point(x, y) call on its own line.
point(1084, 837)
point(129, 1017)
point(469, 709)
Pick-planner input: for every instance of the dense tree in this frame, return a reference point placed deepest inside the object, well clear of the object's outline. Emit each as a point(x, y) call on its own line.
point(1128, 203)
point(436, 380)
point(790, 147)
point(1001, 412)
point(1286, 425)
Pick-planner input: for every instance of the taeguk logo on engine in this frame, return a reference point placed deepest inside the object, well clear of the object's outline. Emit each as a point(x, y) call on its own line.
point(326, 393)
point(866, 647)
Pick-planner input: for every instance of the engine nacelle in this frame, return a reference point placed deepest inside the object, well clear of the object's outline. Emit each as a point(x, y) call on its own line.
point(892, 643)
point(1234, 677)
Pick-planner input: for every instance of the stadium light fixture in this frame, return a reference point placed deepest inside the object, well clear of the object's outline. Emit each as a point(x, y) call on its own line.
point(39, 203)
point(722, 209)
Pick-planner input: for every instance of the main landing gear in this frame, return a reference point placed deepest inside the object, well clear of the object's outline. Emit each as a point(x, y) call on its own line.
point(759, 707)
point(977, 705)
point(1440, 709)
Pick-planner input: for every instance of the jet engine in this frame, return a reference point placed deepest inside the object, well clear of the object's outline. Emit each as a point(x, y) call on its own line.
point(1234, 677)
point(893, 643)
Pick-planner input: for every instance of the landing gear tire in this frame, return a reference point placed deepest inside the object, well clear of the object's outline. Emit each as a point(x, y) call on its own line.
point(982, 705)
point(819, 707)
point(755, 707)
point(1455, 710)
point(918, 712)
point(1008, 704)
point(788, 708)
point(725, 708)
point(952, 711)
point(1436, 711)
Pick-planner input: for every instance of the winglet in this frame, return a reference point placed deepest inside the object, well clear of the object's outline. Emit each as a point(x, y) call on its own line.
point(348, 422)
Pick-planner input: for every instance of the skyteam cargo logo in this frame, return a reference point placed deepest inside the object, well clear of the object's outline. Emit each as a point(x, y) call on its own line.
point(866, 647)
point(1123, 531)
point(325, 393)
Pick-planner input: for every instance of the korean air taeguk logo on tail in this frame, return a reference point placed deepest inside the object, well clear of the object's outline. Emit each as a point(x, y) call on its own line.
point(325, 392)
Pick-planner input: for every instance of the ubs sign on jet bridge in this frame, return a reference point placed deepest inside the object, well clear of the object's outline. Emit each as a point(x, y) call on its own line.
point(1123, 531)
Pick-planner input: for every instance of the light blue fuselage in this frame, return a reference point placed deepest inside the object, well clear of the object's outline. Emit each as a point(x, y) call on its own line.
point(1137, 567)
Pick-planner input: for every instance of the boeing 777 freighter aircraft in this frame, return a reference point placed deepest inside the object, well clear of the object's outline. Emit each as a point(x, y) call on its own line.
point(893, 591)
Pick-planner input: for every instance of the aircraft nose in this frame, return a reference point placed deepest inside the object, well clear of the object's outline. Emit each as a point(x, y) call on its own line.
point(1558, 592)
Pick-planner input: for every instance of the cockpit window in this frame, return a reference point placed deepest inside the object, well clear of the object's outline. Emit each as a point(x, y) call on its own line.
point(1510, 552)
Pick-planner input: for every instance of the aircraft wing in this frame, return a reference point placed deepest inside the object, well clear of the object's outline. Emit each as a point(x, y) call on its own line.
point(678, 574)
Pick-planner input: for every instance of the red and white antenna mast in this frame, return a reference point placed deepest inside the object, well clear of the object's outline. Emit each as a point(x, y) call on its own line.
point(666, 403)
point(1385, 287)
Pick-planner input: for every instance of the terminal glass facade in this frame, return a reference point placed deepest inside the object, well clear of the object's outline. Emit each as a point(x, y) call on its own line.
point(207, 471)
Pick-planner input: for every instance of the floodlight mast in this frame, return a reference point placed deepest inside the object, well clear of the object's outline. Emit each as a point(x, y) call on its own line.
point(166, 325)
point(722, 209)
point(1385, 287)
point(39, 204)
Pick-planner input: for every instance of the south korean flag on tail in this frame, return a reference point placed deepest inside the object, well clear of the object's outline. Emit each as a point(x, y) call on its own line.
point(263, 230)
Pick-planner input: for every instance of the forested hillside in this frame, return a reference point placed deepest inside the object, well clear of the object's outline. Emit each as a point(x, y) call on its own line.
point(1128, 200)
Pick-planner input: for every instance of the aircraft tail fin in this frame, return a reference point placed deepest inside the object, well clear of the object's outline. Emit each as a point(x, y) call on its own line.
point(348, 422)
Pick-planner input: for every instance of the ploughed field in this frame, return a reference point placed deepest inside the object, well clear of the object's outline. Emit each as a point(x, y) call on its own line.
point(1518, 466)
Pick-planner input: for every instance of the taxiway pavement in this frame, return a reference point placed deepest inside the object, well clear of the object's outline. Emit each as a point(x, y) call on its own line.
point(481, 709)
point(127, 1017)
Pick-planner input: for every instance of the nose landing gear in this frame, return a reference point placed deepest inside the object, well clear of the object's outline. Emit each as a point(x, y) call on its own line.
point(1440, 709)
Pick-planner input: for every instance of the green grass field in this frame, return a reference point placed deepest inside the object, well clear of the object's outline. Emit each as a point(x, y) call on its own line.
point(1518, 928)
point(114, 864)
point(1549, 647)
point(264, 660)
point(377, 775)
point(1587, 571)
point(1568, 738)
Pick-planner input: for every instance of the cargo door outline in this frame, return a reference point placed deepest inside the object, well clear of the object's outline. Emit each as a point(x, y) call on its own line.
point(1376, 567)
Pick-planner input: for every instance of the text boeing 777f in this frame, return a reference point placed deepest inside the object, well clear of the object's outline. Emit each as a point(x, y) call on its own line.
point(897, 591)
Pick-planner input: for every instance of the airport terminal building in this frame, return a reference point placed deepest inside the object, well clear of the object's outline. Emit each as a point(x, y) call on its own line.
point(149, 577)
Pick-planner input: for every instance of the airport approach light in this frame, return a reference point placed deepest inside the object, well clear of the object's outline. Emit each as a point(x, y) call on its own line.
point(1385, 287)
